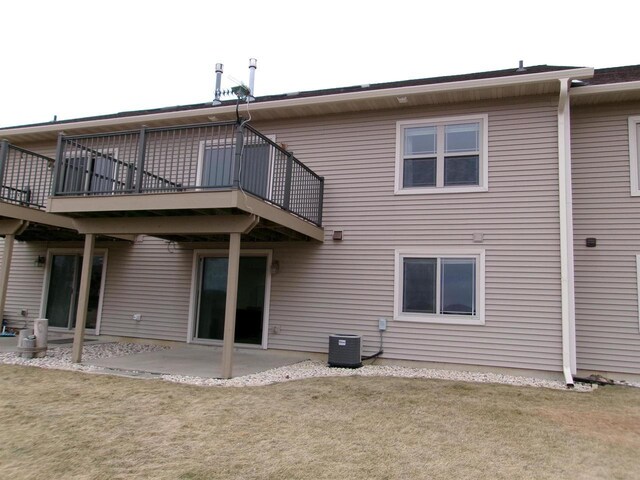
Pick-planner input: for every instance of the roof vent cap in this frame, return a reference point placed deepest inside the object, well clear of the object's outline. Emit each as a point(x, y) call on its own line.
point(521, 67)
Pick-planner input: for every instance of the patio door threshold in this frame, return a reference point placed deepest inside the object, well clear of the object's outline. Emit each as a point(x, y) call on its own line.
point(218, 343)
point(70, 331)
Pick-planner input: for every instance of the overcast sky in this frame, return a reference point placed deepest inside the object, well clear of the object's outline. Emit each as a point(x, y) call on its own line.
point(81, 58)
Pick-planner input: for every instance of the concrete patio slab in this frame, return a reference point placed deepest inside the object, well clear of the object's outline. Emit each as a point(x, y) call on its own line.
point(200, 361)
point(8, 344)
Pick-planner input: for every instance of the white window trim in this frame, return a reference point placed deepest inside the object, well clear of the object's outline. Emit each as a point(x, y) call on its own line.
point(484, 155)
point(194, 297)
point(398, 314)
point(638, 287)
point(47, 277)
point(633, 155)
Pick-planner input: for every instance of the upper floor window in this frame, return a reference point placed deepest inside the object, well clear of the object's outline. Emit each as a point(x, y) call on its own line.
point(447, 154)
point(634, 157)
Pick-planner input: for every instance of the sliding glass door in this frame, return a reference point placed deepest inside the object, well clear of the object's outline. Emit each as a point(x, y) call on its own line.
point(63, 288)
point(212, 296)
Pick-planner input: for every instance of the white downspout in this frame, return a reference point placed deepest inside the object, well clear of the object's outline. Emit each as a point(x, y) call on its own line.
point(566, 234)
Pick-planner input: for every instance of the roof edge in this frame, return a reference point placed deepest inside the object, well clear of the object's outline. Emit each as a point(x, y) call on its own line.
point(573, 73)
point(605, 88)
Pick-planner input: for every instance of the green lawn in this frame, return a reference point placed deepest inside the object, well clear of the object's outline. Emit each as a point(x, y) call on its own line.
point(64, 425)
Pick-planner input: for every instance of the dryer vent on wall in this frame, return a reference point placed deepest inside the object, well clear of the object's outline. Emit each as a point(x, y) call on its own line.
point(345, 350)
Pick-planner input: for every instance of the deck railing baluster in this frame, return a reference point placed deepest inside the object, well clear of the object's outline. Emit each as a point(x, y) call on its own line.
point(210, 156)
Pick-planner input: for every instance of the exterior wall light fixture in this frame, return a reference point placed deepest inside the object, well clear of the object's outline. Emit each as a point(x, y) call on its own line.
point(275, 267)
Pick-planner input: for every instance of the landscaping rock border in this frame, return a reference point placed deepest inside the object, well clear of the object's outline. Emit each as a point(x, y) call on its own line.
point(60, 358)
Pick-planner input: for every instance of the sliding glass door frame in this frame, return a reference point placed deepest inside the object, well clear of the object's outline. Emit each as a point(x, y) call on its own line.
point(195, 295)
point(47, 277)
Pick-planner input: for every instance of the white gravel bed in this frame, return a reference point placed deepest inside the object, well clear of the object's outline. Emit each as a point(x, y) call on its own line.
point(59, 357)
point(311, 369)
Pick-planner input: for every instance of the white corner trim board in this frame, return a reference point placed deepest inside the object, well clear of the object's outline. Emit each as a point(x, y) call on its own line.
point(634, 125)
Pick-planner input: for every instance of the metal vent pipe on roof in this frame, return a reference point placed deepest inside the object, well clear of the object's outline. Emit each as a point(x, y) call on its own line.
point(217, 93)
point(253, 64)
point(521, 66)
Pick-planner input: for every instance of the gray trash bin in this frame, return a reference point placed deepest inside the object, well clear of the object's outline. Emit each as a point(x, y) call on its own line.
point(29, 342)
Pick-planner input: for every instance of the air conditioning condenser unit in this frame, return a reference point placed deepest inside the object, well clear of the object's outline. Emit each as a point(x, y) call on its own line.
point(345, 350)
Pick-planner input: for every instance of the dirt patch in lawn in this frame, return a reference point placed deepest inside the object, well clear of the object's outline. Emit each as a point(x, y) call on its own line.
point(71, 425)
point(615, 428)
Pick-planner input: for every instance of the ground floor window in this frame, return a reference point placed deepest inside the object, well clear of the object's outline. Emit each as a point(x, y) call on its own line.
point(440, 286)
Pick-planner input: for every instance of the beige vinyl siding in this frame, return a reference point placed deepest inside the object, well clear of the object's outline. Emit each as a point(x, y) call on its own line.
point(607, 326)
point(344, 287)
point(153, 278)
point(25, 283)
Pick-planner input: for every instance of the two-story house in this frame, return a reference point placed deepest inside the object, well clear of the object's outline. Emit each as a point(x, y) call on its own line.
point(490, 218)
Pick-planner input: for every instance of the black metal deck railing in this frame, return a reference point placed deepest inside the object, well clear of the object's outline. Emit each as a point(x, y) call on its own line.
point(188, 158)
point(25, 177)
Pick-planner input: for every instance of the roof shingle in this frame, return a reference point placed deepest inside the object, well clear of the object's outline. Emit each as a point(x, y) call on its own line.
point(602, 76)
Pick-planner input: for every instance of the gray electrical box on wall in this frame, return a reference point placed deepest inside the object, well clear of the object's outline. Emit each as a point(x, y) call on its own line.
point(382, 324)
point(345, 350)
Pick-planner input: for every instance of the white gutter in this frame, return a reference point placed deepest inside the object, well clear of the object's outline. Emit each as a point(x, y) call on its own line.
point(566, 234)
point(575, 73)
point(606, 88)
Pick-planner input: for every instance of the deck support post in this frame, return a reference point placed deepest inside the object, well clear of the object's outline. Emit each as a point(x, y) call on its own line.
point(83, 296)
point(5, 269)
point(231, 304)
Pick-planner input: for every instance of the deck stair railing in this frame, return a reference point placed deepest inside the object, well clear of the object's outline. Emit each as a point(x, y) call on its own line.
point(25, 176)
point(213, 156)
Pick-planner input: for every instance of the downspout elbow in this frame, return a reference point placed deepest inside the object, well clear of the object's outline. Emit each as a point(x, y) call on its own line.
point(568, 378)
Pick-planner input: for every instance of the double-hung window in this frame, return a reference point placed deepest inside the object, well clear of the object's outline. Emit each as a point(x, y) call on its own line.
point(634, 155)
point(442, 287)
point(441, 155)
